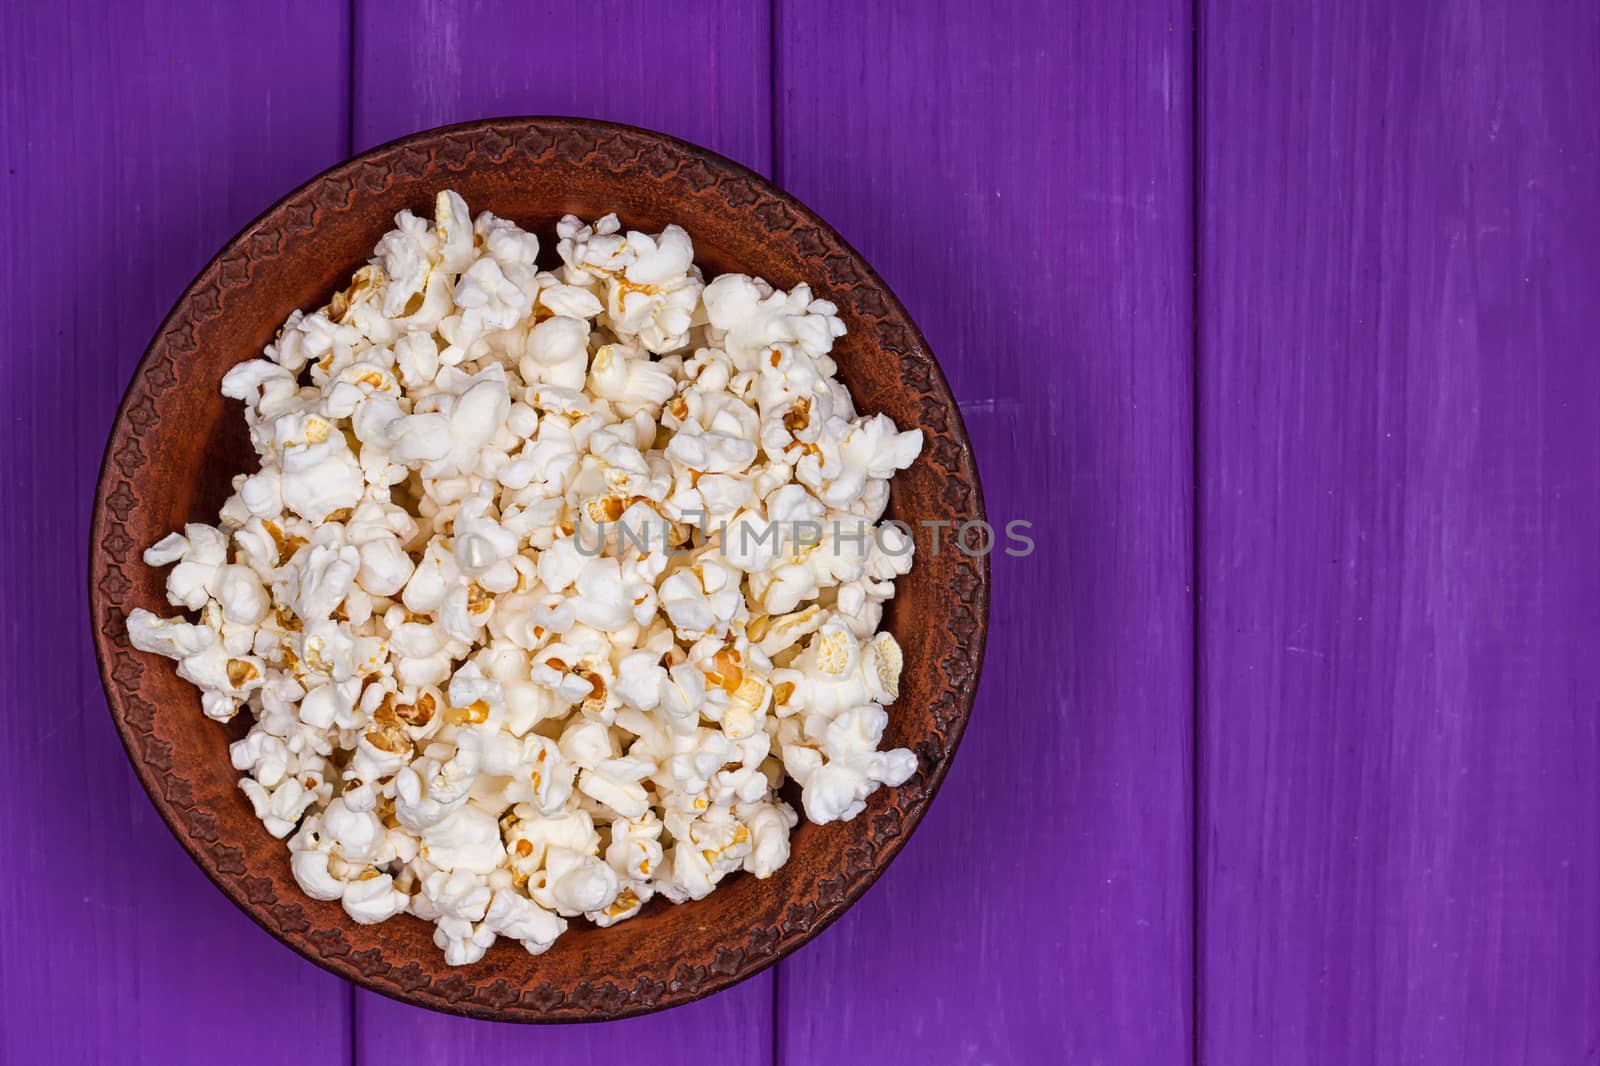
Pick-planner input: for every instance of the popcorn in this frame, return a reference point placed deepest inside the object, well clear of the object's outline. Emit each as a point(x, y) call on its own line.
point(199, 552)
point(845, 766)
point(436, 786)
point(373, 899)
point(483, 547)
point(576, 883)
point(769, 828)
point(457, 903)
point(615, 783)
point(239, 593)
point(749, 316)
point(279, 808)
point(325, 580)
point(703, 598)
point(531, 600)
point(635, 849)
point(319, 474)
point(172, 637)
point(468, 838)
point(515, 916)
point(557, 353)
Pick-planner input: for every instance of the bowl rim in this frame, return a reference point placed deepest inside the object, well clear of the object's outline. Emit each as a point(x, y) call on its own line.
point(103, 638)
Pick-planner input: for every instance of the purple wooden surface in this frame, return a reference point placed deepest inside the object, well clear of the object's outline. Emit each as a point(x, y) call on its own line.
point(696, 70)
point(1400, 821)
point(1020, 174)
point(136, 140)
point(1398, 829)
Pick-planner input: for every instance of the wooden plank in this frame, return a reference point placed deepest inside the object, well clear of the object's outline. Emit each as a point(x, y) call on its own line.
point(137, 139)
point(697, 69)
point(1400, 813)
point(694, 70)
point(1020, 174)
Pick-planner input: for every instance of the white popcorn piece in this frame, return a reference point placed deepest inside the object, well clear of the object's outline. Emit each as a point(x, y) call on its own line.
point(279, 808)
point(199, 552)
point(454, 227)
point(374, 899)
point(846, 767)
point(531, 601)
point(239, 593)
point(557, 353)
point(457, 903)
point(172, 637)
point(319, 473)
point(515, 916)
point(752, 317)
point(702, 599)
point(358, 837)
point(629, 901)
point(635, 850)
point(262, 756)
point(531, 836)
point(324, 580)
point(468, 838)
point(616, 783)
point(769, 824)
point(434, 787)
point(310, 856)
point(576, 883)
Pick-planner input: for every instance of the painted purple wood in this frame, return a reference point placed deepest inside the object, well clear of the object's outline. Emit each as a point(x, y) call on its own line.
point(136, 140)
point(696, 70)
point(1400, 818)
point(1399, 821)
point(1020, 174)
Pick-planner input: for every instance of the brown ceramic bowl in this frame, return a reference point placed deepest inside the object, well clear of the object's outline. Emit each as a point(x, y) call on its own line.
point(177, 442)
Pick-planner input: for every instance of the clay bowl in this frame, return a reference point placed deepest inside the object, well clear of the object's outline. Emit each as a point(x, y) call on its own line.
point(177, 442)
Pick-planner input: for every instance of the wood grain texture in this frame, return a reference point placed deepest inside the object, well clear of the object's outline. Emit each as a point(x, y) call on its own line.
point(1399, 823)
point(1400, 816)
point(695, 70)
point(1020, 174)
point(136, 140)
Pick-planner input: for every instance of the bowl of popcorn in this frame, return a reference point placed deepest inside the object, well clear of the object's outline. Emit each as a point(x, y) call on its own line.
point(522, 575)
